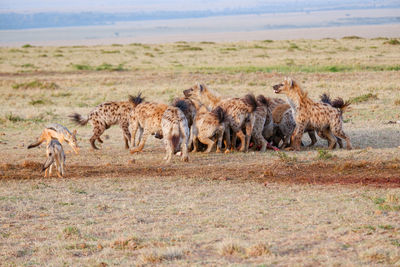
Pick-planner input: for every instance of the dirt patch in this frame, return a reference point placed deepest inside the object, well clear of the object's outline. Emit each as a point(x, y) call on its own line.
point(364, 173)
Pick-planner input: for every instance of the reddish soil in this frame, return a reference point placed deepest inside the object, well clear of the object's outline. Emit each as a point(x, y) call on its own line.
point(364, 173)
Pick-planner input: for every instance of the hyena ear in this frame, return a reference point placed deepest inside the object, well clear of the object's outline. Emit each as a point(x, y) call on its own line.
point(289, 81)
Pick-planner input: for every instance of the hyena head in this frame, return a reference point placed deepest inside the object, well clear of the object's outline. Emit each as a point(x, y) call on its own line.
point(197, 92)
point(73, 142)
point(284, 87)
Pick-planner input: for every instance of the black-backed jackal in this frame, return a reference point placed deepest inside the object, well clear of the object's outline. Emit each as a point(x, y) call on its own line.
point(175, 132)
point(55, 157)
point(107, 114)
point(59, 132)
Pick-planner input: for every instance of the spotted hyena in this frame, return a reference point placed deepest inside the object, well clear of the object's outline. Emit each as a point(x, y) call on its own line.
point(175, 133)
point(320, 116)
point(189, 108)
point(208, 127)
point(239, 113)
point(107, 114)
point(263, 124)
point(146, 118)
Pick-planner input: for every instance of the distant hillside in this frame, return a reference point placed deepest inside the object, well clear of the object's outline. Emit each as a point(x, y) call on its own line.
point(51, 19)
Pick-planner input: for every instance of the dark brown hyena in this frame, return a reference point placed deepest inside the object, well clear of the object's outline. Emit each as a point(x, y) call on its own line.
point(320, 116)
point(175, 132)
point(263, 124)
point(107, 114)
point(239, 113)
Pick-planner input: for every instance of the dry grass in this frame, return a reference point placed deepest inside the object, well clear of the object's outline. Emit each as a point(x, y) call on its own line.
point(314, 207)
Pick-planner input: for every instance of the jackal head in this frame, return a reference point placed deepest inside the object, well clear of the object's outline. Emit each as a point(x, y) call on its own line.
point(73, 142)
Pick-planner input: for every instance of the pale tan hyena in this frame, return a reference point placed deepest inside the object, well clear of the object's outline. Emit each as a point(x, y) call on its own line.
point(239, 113)
point(107, 114)
point(208, 127)
point(146, 118)
point(319, 116)
point(175, 132)
point(263, 124)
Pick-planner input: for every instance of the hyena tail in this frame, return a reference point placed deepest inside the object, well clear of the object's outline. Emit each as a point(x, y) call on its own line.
point(341, 104)
point(250, 100)
point(136, 100)
point(182, 105)
point(79, 119)
point(175, 136)
point(325, 98)
point(219, 113)
point(262, 100)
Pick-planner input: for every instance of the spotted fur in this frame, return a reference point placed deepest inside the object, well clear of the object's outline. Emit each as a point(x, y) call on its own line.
point(107, 114)
point(208, 127)
point(146, 118)
point(175, 131)
point(263, 124)
point(320, 116)
point(239, 113)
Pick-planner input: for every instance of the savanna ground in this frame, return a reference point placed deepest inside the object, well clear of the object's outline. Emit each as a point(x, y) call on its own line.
point(311, 207)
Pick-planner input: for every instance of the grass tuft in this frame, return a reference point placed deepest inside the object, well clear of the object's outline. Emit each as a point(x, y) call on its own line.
point(352, 37)
point(157, 256)
point(231, 248)
point(36, 84)
point(364, 98)
point(257, 250)
point(284, 157)
point(324, 154)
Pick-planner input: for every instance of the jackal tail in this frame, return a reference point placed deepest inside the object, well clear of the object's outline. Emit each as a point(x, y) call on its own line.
point(35, 144)
point(79, 119)
point(47, 164)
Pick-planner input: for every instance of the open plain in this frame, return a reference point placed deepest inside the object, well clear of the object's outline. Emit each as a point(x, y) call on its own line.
point(313, 207)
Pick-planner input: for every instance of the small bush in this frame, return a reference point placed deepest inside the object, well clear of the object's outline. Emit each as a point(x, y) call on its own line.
point(268, 41)
point(207, 42)
point(37, 102)
point(352, 37)
point(258, 250)
point(392, 42)
point(148, 54)
point(27, 46)
point(157, 256)
point(28, 65)
point(110, 51)
point(110, 67)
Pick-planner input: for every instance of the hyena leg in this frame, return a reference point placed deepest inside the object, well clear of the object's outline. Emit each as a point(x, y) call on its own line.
point(340, 142)
point(297, 135)
point(220, 137)
point(210, 143)
point(98, 130)
point(338, 132)
point(184, 144)
point(142, 142)
point(234, 137)
point(126, 133)
point(249, 131)
point(227, 134)
point(260, 140)
point(331, 138)
point(243, 140)
point(168, 149)
point(311, 134)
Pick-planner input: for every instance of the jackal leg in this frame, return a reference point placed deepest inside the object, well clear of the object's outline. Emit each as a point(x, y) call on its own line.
point(142, 142)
